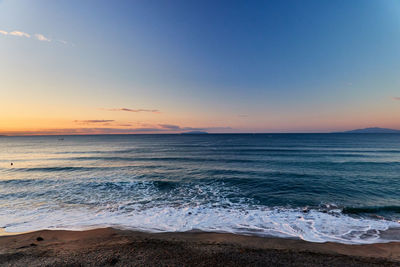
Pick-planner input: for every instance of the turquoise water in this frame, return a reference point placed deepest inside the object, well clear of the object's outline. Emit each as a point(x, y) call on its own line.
point(317, 187)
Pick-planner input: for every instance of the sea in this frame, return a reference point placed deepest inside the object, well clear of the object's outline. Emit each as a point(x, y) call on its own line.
point(316, 187)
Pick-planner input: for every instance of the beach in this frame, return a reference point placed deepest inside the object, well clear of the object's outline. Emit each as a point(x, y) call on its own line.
point(114, 247)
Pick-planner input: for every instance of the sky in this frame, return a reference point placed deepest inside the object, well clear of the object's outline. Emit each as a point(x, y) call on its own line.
point(167, 66)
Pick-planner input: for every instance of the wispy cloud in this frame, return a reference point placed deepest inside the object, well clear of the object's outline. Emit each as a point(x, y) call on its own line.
point(165, 128)
point(133, 110)
point(15, 33)
point(396, 98)
point(86, 131)
point(20, 34)
point(170, 127)
point(92, 121)
point(41, 37)
point(37, 36)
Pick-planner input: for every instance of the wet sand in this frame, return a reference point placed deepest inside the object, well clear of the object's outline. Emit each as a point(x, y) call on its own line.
point(113, 247)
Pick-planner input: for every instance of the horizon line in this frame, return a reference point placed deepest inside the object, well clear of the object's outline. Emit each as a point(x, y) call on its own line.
point(189, 134)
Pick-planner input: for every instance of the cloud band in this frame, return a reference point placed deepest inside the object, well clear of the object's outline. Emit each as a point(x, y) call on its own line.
point(134, 110)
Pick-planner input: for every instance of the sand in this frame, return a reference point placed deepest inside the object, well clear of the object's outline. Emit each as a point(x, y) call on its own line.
point(113, 247)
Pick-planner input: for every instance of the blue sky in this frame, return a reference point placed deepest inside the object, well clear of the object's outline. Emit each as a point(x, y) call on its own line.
point(259, 66)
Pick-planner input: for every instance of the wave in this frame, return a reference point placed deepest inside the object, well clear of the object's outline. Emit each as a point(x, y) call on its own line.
point(312, 225)
point(332, 160)
point(368, 210)
point(165, 206)
point(59, 169)
point(308, 151)
point(239, 149)
point(186, 159)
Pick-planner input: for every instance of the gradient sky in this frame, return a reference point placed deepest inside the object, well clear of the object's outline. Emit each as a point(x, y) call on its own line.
point(78, 66)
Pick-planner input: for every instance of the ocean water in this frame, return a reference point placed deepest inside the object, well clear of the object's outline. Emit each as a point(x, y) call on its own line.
point(317, 187)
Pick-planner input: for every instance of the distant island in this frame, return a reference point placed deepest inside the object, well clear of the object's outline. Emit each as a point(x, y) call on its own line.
point(373, 130)
point(195, 132)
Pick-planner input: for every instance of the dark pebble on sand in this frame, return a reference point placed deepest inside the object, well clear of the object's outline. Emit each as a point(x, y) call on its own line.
point(33, 245)
point(39, 238)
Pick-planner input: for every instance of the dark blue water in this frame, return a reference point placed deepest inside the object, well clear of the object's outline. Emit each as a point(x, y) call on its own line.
point(318, 187)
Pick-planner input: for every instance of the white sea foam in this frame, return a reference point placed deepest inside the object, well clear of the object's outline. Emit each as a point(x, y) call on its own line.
point(207, 207)
point(314, 225)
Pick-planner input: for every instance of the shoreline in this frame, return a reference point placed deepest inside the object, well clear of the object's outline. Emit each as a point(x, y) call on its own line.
point(110, 246)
